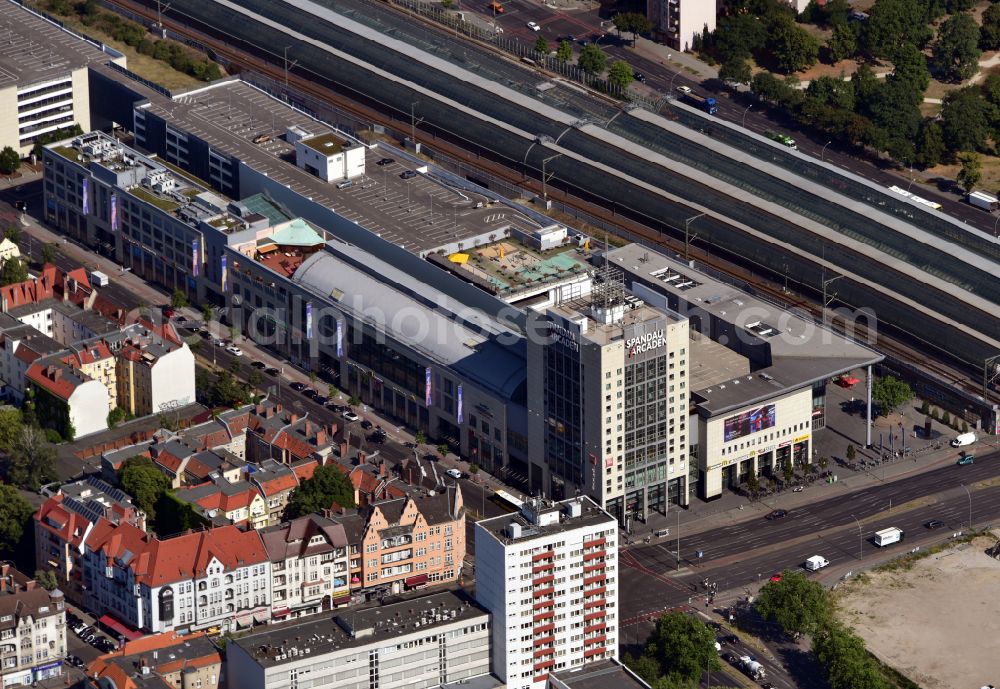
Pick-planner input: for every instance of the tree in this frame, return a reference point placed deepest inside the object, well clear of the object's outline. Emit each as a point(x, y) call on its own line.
point(846, 662)
point(419, 437)
point(851, 453)
point(443, 450)
point(683, 647)
point(971, 171)
point(843, 43)
point(255, 378)
point(735, 72)
point(235, 366)
point(966, 120)
point(792, 46)
point(178, 299)
point(10, 160)
point(140, 478)
point(634, 23)
point(47, 579)
point(890, 394)
point(738, 36)
point(328, 485)
point(621, 74)
point(542, 45)
point(753, 484)
point(930, 144)
point(893, 23)
point(837, 93)
point(473, 468)
point(956, 52)
point(48, 253)
point(12, 232)
point(116, 416)
point(206, 313)
point(592, 59)
point(798, 604)
point(910, 68)
point(15, 514)
point(354, 401)
point(989, 34)
point(31, 460)
point(228, 391)
point(824, 462)
point(564, 53)
point(13, 271)
point(10, 427)
point(646, 667)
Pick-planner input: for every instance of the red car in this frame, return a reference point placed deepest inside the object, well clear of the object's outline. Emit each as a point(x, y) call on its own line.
point(776, 577)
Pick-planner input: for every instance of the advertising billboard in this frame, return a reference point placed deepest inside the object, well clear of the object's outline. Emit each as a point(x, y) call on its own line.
point(114, 212)
point(340, 337)
point(428, 396)
point(309, 320)
point(194, 257)
point(224, 271)
point(459, 411)
point(85, 196)
point(749, 422)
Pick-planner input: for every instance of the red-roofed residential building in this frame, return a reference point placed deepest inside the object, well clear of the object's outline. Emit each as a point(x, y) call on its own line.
point(219, 577)
point(68, 399)
point(220, 501)
point(189, 661)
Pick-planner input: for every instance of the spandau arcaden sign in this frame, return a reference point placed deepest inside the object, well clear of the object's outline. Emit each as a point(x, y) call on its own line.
point(644, 343)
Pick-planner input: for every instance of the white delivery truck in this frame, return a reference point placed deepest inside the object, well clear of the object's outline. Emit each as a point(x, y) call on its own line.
point(980, 199)
point(816, 562)
point(98, 278)
point(964, 439)
point(888, 536)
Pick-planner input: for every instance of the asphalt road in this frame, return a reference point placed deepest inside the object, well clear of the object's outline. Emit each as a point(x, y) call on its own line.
point(748, 553)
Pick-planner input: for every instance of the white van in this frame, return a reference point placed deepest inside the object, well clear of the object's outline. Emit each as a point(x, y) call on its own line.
point(816, 562)
point(964, 439)
point(888, 536)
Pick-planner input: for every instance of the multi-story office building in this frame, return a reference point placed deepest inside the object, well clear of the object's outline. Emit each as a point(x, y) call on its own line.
point(678, 22)
point(44, 86)
point(549, 577)
point(757, 373)
point(608, 375)
point(32, 630)
point(436, 640)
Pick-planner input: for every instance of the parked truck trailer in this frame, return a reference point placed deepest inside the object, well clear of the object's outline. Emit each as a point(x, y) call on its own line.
point(707, 104)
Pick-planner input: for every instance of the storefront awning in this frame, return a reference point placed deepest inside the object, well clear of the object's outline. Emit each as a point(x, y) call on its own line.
point(120, 628)
point(342, 600)
point(261, 617)
point(280, 612)
point(243, 620)
point(417, 580)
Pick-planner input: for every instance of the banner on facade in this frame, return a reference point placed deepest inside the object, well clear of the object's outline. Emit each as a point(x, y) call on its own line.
point(459, 415)
point(194, 257)
point(340, 338)
point(85, 196)
point(309, 320)
point(223, 272)
point(114, 212)
point(428, 397)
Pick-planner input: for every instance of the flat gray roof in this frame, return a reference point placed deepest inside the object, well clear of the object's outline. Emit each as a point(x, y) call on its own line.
point(711, 363)
point(418, 214)
point(591, 514)
point(34, 50)
point(360, 627)
point(801, 352)
point(604, 333)
point(604, 674)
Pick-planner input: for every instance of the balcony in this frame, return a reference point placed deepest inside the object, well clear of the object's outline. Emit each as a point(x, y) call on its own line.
point(543, 580)
point(593, 555)
point(595, 579)
point(547, 555)
point(594, 543)
point(600, 591)
point(589, 653)
point(547, 591)
point(542, 567)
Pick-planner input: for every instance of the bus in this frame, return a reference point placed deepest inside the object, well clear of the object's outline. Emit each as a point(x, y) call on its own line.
point(507, 501)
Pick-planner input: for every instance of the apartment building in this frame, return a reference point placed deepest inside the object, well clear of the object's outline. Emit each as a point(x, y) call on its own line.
point(222, 502)
point(309, 566)
point(32, 630)
point(408, 542)
point(160, 661)
point(64, 521)
point(679, 22)
point(220, 577)
point(419, 643)
point(549, 577)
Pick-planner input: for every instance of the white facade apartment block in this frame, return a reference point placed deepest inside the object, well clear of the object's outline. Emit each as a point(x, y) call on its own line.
point(678, 22)
point(88, 408)
point(549, 576)
point(172, 379)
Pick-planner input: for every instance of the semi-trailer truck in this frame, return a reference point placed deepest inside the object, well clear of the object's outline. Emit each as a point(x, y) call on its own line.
point(707, 104)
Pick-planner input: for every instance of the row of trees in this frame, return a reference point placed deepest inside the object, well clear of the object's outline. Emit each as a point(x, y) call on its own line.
point(802, 606)
point(592, 60)
point(676, 653)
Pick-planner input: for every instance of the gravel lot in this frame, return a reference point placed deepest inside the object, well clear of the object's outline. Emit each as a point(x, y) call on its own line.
point(938, 622)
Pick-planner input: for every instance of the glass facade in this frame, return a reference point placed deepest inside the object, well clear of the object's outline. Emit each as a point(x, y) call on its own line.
point(563, 414)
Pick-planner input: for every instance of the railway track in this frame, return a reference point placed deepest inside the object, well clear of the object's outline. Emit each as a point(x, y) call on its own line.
point(240, 53)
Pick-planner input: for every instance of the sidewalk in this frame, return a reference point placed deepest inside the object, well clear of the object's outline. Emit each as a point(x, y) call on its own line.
point(686, 63)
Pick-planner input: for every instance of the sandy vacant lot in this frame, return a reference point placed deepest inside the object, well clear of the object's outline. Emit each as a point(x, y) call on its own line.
point(939, 622)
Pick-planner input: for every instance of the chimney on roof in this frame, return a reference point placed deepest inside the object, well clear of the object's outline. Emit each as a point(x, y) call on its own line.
point(293, 417)
point(30, 585)
point(320, 436)
point(343, 449)
point(308, 428)
point(381, 469)
point(361, 457)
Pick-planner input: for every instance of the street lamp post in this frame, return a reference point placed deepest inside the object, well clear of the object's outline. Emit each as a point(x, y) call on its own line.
point(687, 230)
point(545, 179)
point(970, 504)
point(823, 150)
point(861, 540)
point(744, 124)
point(995, 227)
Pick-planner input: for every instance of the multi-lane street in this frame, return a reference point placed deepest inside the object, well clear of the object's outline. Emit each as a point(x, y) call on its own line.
point(840, 529)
